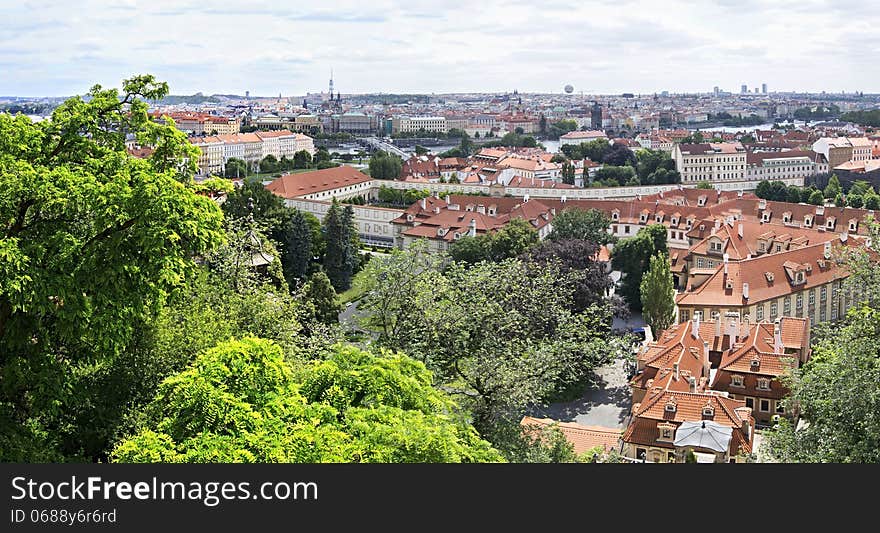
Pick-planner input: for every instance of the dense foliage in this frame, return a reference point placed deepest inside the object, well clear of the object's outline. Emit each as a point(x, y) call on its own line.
point(242, 402)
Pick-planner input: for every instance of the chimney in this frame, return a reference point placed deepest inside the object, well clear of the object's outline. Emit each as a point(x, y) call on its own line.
point(739, 230)
point(717, 224)
point(692, 384)
point(424, 202)
point(706, 359)
point(746, 326)
point(732, 327)
point(695, 328)
point(675, 371)
point(746, 291)
point(745, 414)
point(717, 327)
point(777, 337)
point(448, 199)
point(472, 232)
point(726, 259)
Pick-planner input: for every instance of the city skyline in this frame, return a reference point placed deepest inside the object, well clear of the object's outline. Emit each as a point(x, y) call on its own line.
point(51, 49)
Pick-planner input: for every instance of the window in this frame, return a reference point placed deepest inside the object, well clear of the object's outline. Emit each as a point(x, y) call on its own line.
point(823, 294)
point(774, 308)
point(666, 433)
point(765, 406)
point(786, 306)
point(812, 297)
point(780, 407)
point(763, 384)
point(759, 312)
point(685, 316)
point(736, 381)
point(750, 403)
point(799, 300)
point(700, 263)
point(626, 229)
point(670, 457)
point(822, 314)
point(641, 453)
point(778, 247)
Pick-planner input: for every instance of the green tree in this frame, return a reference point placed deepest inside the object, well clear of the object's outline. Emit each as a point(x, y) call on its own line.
point(705, 185)
point(384, 166)
point(658, 294)
point(589, 225)
point(341, 255)
point(568, 173)
point(302, 159)
point(236, 168)
point(241, 402)
point(92, 242)
point(299, 240)
point(632, 257)
point(268, 207)
point(320, 294)
point(498, 335)
point(420, 150)
point(516, 237)
point(816, 198)
point(838, 395)
point(269, 164)
point(833, 188)
point(854, 200)
point(872, 201)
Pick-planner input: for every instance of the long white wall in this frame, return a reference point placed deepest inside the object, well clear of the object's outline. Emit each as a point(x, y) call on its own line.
point(373, 223)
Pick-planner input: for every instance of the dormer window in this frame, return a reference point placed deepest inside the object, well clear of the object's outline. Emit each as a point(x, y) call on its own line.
point(670, 406)
point(643, 218)
point(667, 432)
point(410, 218)
point(808, 221)
point(763, 384)
point(708, 410)
point(615, 215)
point(786, 217)
point(765, 216)
point(715, 246)
point(658, 218)
point(701, 201)
point(830, 223)
point(456, 235)
point(853, 226)
point(755, 363)
point(736, 381)
point(799, 277)
point(769, 276)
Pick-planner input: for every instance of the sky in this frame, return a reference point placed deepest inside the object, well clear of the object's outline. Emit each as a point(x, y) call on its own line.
point(60, 48)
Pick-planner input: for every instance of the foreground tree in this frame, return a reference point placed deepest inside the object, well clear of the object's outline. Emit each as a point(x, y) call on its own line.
point(500, 336)
point(658, 294)
point(241, 402)
point(92, 242)
point(576, 259)
point(838, 394)
point(252, 198)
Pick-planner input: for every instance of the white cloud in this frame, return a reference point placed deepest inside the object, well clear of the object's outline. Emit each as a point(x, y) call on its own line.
point(56, 48)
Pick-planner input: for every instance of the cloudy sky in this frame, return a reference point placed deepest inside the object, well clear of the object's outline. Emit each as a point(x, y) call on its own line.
point(58, 48)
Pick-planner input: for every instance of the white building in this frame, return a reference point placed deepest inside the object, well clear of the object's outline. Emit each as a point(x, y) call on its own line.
point(710, 161)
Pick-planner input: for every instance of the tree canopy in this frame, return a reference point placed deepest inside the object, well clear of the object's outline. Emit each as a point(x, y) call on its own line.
point(242, 402)
point(584, 224)
point(92, 240)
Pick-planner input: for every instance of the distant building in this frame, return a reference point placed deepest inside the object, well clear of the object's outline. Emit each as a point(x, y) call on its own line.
point(764, 88)
point(578, 137)
point(839, 150)
point(710, 162)
point(744, 89)
point(407, 124)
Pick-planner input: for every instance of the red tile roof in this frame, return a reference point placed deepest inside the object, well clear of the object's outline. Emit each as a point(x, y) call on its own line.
point(294, 185)
point(584, 438)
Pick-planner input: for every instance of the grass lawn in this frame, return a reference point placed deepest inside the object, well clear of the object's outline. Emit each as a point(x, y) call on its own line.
point(359, 287)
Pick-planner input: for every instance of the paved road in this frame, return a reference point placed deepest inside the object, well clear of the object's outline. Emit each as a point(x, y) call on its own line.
point(607, 404)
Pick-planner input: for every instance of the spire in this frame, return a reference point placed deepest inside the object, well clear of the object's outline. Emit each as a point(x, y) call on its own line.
point(331, 83)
